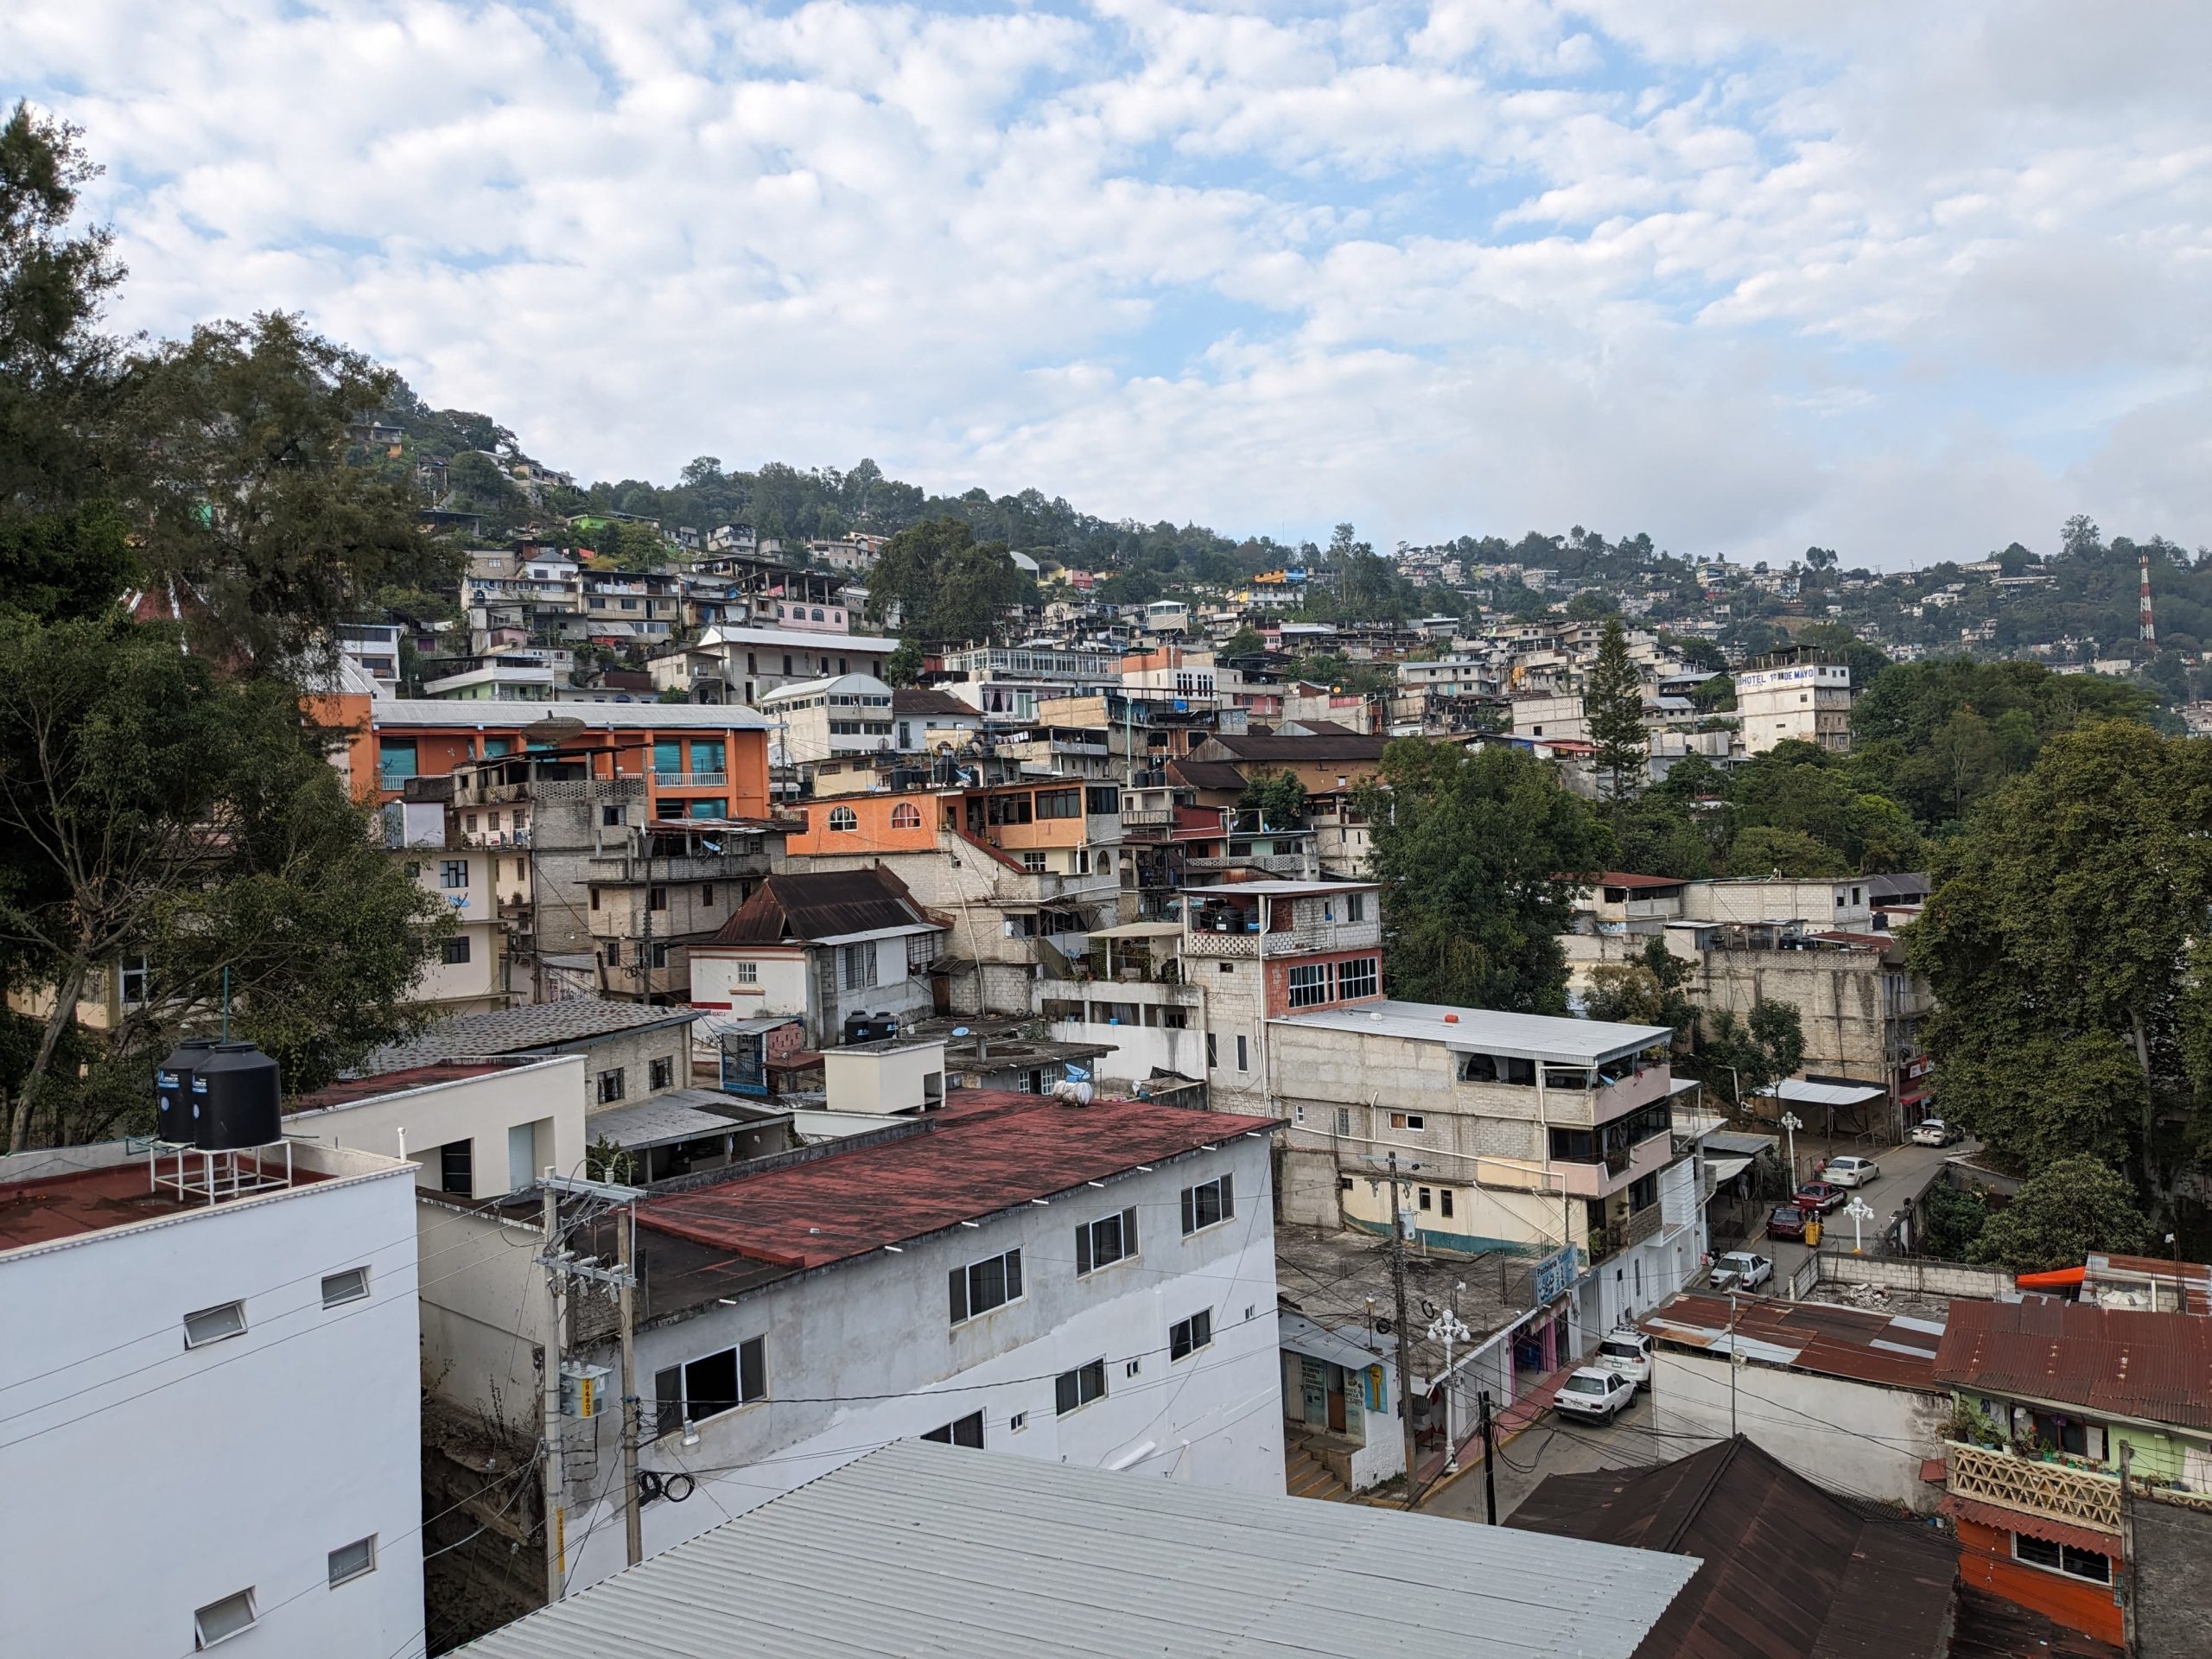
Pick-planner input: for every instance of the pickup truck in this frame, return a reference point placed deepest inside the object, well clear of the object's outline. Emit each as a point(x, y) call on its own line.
point(1741, 1270)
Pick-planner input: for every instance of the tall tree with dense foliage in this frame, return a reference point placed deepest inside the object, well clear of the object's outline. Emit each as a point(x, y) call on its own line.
point(1480, 855)
point(1613, 703)
point(2060, 1215)
point(945, 586)
point(2064, 943)
point(1739, 1055)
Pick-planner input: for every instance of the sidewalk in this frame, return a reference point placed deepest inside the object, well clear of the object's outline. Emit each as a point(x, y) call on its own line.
point(1429, 1474)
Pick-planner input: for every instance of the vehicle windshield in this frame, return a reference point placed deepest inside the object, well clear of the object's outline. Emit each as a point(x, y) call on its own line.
point(1785, 1215)
point(1736, 1259)
point(1585, 1385)
point(1620, 1349)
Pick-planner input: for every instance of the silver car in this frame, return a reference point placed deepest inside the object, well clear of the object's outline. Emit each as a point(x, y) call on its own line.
point(1849, 1172)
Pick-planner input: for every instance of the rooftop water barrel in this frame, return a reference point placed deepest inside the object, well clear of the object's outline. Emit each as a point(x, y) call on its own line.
point(240, 1095)
point(174, 1111)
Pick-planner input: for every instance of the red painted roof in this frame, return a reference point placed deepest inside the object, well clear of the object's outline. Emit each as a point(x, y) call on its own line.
point(987, 1150)
point(1623, 879)
point(93, 1200)
point(349, 1091)
point(1859, 1344)
point(2128, 1362)
point(2004, 1518)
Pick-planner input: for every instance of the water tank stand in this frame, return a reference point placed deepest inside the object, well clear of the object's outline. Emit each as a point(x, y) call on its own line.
point(204, 1177)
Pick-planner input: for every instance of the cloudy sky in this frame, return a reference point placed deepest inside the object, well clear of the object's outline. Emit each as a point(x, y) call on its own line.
point(1909, 281)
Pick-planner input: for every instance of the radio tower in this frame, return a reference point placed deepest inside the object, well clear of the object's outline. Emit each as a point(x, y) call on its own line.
point(2145, 629)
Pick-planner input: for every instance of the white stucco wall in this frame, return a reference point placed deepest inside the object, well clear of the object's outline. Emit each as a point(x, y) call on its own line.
point(880, 1327)
point(546, 1095)
point(1858, 1437)
point(144, 1481)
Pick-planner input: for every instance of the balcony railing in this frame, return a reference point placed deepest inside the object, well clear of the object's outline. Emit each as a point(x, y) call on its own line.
point(2058, 1491)
point(1139, 818)
point(690, 779)
point(1618, 1235)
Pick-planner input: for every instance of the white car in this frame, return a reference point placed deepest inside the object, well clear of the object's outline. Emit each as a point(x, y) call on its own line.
point(1849, 1172)
point(1627, 1353)
point(1594, 1395)
point(1933, 1132)
point(1741, 1270)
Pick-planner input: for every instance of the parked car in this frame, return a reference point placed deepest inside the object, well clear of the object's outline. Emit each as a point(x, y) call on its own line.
point(1821, 1196)
point(1741, 1270)
point(1594, 1395)
point(1849, 1171)
point(1787, 1221)
point(1933, 1132)
point(1627, 1353)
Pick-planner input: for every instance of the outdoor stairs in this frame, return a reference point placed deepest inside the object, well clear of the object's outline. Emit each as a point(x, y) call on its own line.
point(1306, 1475)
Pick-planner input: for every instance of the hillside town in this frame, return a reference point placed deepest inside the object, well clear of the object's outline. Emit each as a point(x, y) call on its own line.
point(1536, 1097)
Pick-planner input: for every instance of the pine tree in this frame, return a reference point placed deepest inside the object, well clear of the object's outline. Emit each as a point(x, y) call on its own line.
point(1612, 702)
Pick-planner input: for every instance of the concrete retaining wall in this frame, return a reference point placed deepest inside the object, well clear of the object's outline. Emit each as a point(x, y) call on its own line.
point(1910, 1273)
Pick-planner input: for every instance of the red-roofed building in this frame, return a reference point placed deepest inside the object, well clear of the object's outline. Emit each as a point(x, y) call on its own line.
point(1089, 1284)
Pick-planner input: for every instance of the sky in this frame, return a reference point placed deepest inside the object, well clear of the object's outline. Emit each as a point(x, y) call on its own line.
point(1910, 281)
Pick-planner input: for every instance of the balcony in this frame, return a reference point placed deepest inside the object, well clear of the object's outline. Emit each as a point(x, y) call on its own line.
point(1142, 819)
point(690, 779)
point(2055, 1492)
point(1298, 940)
point(1636, 1228)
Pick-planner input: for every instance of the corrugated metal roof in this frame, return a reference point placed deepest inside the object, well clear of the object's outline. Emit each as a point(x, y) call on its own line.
point(1798, 1091)
point(1527, 1036)
point(821, 905)
point(977, 1554)
point(1846, 1342)
point(2153, 1367)
point(519, 1030)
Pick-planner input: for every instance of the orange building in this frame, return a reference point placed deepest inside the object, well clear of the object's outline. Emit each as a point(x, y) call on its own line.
point(1050, 824)
point(698, 761)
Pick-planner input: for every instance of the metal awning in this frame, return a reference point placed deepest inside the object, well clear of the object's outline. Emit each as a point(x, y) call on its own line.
point(1798, 1092)
point(1302, 1336)
point(1727, 1169)
point(1140, 930)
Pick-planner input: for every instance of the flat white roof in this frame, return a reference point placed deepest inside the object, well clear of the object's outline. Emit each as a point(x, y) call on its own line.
point(797, 638)
point(1488, 1031)
point(398, 712)
point(1275, 889)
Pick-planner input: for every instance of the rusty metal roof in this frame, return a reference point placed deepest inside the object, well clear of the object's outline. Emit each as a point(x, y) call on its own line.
point(2153, 1367)
point(1788, 1569)
point(822, 905)
point(1890, 1350)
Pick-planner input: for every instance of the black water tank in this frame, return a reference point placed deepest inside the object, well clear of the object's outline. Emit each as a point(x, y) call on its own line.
point(240, 1097)
point(173, 1102)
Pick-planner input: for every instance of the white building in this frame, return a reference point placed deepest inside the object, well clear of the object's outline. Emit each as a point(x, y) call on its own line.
point(475, 1128)
point(1088, 1285)
point(212, 1408)
point(469, 973)
point(730, 664)
point(1802, 703)
point(828, 719)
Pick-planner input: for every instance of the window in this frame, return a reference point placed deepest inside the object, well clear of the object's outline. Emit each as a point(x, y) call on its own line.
point(456, 1167)
point(1427, 1200)
point(395, 761)
point(657, 953)
point(656, 898)
point(221, 1619)
point(1059, 803)
point(706, 1387)
point(453, 952)
point(1102, 1244)
point(1032, 861)
point(611, 816)
point(981, 1286)
point(748, 973)
point(1309, 984)
point(1410, 1120)
point(452, 872)
point(968, 1431)
point(1072, 1391)
point(857, 965)
point(1357, 977)
point(1356, 907)
point(1444, 1201)
point(214, 1325)
point(1101, 801)
point(843, 819)
point(664, 1074)
point(2061, 1558)
point(1208, 1204)
point(1213, 1050)
point(595, 898)
point(905, 816)
point(353, 1561)
point(1344, 1119)
point(1243, 1055)
point(610, 1086)
point(614, 953)
point(1016, 1423)
point(706, 893)
point(339, 1289)
point(1187, 1337)
point(131, 980)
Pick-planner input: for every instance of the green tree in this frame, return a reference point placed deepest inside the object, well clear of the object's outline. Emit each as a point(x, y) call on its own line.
point(904, 665)
point(1953, 1219)
point(1245, 642)
point(1278, 797)
point(2060, 1215)
point(1649, 989)
point(1764, 850)
point(1738, 1057)
point(2058, 945)
point(1612, 702)
point(1480, 856)
point(945, 585)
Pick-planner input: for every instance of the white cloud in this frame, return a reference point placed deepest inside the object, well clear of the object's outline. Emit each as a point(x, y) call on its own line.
point(1748, 276)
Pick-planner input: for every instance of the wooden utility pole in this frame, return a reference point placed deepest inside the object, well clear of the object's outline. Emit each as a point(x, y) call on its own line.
point(1490, 1461)
point(626, 1296)
point(1405, 1340)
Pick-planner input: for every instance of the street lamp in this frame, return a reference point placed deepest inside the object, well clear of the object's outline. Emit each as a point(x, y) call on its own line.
point(1447, 1328)
point(1860, 1213)
point(1790, 1125)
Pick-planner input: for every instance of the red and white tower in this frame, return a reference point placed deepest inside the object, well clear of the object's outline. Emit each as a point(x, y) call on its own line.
point(2145, 629)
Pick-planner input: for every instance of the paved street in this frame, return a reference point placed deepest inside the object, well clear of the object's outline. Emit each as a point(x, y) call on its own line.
point(1905, 1171)
point(1551, 1446)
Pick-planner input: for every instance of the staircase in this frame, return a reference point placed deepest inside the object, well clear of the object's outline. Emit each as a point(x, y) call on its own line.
point(1305, 1476)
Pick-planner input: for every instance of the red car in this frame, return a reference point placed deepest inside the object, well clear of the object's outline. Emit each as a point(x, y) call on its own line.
point(1787, 1221)
point(1821, 1196)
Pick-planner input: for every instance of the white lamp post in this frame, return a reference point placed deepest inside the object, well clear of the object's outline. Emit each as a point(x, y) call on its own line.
point(1447, 1328)
point(1790, 1125)
point(1860, 1213)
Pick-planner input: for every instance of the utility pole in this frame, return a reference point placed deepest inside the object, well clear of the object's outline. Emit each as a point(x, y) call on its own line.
point(1735, 1359)
point(626, 1225)
point(1490, 1462)
point(550, 1405)
point(1405, 1340)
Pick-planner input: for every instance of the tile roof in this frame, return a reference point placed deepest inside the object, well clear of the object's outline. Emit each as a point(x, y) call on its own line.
point(1624, 879)
point(1786, 1568)
point(2130, 1363)
point(928, 700)
point(1208, 774)
point(918, 1548)
point(986, 1152)
point(1890, 1350)
point(822, 905)
point(518, 1031)
point(1245, 745)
